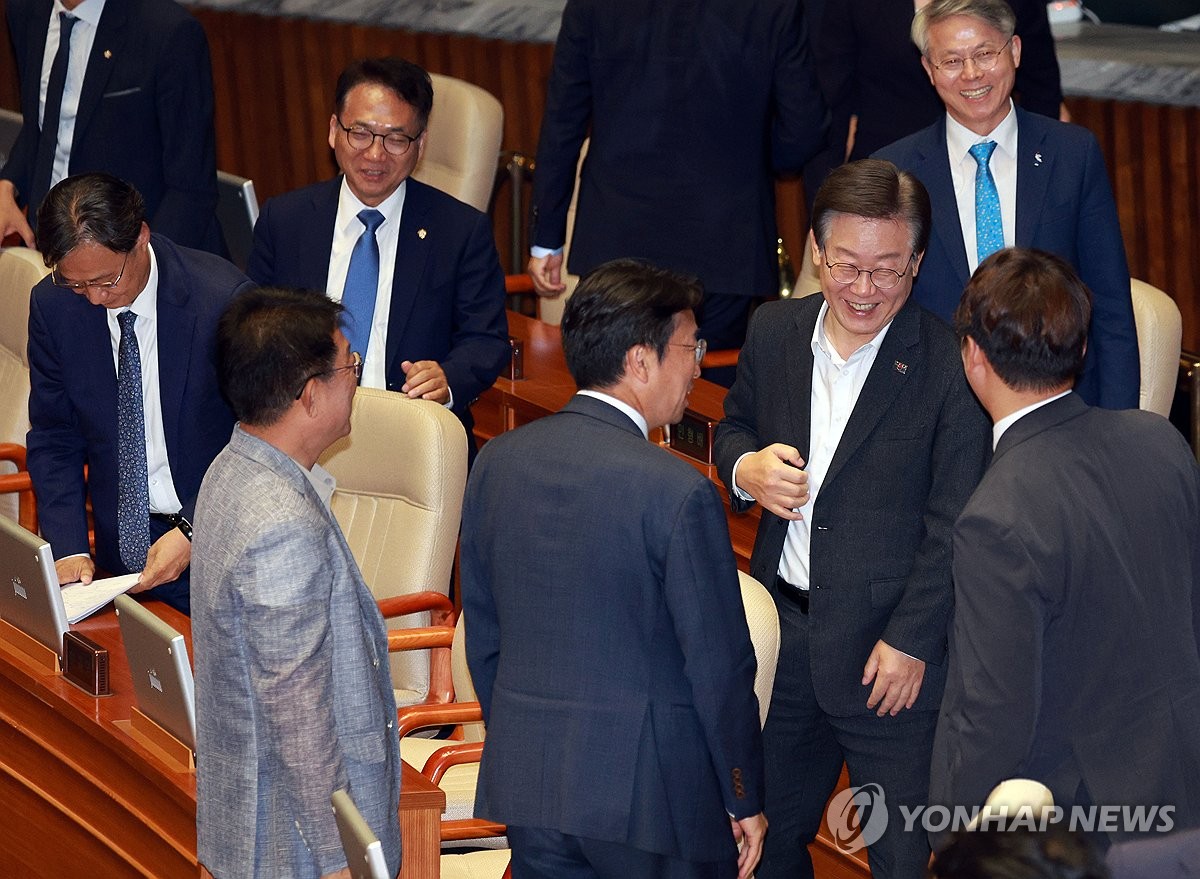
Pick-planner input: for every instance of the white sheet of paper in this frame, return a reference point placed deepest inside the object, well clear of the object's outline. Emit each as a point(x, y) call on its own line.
point(81, 600)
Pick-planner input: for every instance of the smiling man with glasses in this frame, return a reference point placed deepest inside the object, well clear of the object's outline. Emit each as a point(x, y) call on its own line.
point(999, 176)
point(122, 380)
point(416, 270)
point(852, 427)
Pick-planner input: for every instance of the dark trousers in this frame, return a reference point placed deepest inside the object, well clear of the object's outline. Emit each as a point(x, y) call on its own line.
point(804, 749)
point(538, 853)
point(722, 320)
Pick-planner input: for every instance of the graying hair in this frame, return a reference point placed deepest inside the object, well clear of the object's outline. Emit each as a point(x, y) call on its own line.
point(995, 13)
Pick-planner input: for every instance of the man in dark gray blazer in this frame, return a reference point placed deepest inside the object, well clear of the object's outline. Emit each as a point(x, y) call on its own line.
point(851, 425)
point(605, 629)
point(1073, 657)
point(293, 695)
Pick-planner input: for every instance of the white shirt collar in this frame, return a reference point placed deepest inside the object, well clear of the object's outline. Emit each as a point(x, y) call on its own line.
point(349, 206)
point(323, 481)
point(822, 345)
point(635, 415)
point(960, 139)
point(88, 11)
point(1008, 421)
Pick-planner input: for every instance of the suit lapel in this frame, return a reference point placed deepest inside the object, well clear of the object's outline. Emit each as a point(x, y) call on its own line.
point(933, 166)
point(1034, 170)
point(108, 46)
point(176, 325)
point(97, 361)
point(412, 252)
point(798, 358)
point(316, 231)
point(895, 362)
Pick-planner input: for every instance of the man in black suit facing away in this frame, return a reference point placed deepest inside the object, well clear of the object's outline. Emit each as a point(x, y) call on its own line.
point(605, 629)
point(850, 423)
point(1074, 654)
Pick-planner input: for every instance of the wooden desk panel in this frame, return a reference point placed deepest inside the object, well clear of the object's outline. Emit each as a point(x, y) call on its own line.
point(79, 794)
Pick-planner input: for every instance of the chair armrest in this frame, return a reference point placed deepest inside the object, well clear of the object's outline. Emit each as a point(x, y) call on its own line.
point(470, 828)
point(451, 755)
point(420, 638)
point(723, 357)
point(415, 717)
point(21, 483)
point(518, 284)
point(13, 452)
point(439, 606)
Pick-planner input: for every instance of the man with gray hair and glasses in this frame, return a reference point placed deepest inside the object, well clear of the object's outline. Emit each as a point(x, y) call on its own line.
point(122, 379)
point(851, 425)
point(999, 176)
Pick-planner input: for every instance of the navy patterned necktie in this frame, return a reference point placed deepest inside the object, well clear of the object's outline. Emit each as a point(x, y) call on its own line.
point(43, 166)
point(362, 283)
point(989, 230)
point(133, 494)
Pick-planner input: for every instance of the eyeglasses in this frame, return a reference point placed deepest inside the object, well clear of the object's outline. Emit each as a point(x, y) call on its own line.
point(83, 286)
point(698, 349)
point(984, 59)
point(884, 279)
point(395, 142)
point(356, 363)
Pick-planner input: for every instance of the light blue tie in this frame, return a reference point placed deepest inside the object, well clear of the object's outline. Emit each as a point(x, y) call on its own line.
point(362, 283)
point(989, 230)
point(133, 493)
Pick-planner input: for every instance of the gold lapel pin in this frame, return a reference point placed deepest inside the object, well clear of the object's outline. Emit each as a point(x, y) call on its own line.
point(421, 233)
point(108, 54)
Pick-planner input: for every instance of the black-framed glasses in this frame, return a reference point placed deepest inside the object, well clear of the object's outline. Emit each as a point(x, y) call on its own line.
point(884, 279)
point(698, 350)
point(83, 286)
point(395, 142)
point(356, 363)
point(984, 59)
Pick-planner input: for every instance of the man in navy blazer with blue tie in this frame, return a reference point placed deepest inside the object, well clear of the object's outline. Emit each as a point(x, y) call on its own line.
point(435, 327)
point(106, 263)
point(1048, 176)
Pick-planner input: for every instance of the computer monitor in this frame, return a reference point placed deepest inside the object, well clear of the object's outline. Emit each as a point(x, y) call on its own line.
point(158, 662)
point(30, 598)
point(364, 851)
point(237, 212)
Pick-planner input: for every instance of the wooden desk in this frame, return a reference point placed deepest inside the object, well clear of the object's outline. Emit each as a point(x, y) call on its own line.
point(546, 388)
point(83, 798)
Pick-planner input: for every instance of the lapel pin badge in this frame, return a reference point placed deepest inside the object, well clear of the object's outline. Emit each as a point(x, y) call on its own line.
point(421, 233)
point(901, 368)
point(108, 54)
point(1037, 159)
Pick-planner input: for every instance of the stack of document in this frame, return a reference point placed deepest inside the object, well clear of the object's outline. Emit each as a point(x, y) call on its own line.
point(81, 600)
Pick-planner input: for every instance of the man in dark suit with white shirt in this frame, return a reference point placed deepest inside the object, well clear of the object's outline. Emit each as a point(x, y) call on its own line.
point(851, 425)
point(1075, 650)
point(999, 176)
point(416, 269)
point(132, 83)
point(605, 629)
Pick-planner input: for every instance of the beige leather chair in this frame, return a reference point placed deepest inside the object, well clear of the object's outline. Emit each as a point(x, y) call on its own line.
point(762, 617)
point(1159, 334)
point(462, 147)
point(20, 269)
point(401, 474)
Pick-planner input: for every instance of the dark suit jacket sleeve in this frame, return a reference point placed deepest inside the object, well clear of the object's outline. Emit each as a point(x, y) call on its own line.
point(261, 264)
point(184, 99)
point(800, 121)
point(479, 341)
point(564, 127)
point(961, 446)
point(1039, 84)
point(19, 165)
point(999, 615)
point(703, 598)
point(835, 48)
point(1112, 338)
point(737, 433)
point(56, 447)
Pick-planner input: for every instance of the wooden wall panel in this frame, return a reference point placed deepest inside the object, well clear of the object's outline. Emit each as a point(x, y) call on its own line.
point(275, 76)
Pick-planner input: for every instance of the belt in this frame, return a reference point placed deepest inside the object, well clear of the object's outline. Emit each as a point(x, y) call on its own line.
point(793, 594)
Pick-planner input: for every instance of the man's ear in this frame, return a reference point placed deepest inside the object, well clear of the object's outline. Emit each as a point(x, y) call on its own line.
point(637, 363)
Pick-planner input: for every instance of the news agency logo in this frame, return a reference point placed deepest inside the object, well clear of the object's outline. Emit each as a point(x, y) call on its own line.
point(845, 814)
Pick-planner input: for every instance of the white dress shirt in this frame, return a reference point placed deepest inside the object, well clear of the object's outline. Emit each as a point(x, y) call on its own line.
point(83, 35)
point(346, 231)
point(321, 480)
point(163, 498)
point(1008, 421)
point(836, 385)
point(635, 416)
point(963, 168)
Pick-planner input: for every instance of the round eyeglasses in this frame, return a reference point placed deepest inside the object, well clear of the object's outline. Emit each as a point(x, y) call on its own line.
point(884, 279)
point(698, 350)
point(395, 142)
point(83, 286)
point(984, 59)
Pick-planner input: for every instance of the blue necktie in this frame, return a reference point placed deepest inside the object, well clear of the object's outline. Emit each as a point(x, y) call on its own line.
point(362, 283)
point(43, 165)
point(133, 494)
point(989, 230)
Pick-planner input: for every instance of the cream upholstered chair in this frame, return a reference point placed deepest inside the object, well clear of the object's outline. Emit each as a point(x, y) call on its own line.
point(20, 270)
point(462, 148)
point(401, 474)
point(1159, 334)
point(763, 619)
